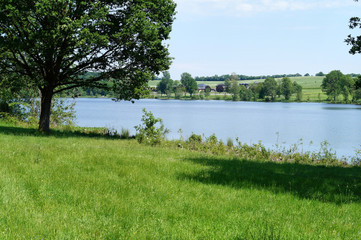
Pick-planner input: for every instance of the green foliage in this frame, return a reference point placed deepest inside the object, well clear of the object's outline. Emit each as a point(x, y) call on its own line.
point(246, 94)
point(227, 84)
point(286, 88)
point(355, 42)
point(178, 92)
point(194, 138)
point(148, 132)
point(165, 85)
point(332, 84)
point(347, 85)
point(234, 90)
point(60, 41)
point(63, 112)
point(229, 142)
point(217, 78)
point(270, 88)
point(189, 83)
point(207, 92)
point(297, 88)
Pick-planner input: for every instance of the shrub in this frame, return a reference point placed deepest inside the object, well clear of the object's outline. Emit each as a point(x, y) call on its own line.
point(148, 132)
point(194, 138)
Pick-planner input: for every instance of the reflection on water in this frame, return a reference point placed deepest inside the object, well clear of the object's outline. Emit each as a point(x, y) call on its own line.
point(342, 108)
point(249, 121)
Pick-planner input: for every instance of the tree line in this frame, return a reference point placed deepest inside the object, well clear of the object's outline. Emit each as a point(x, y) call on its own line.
point(336, 83)
point(167, 86)
point(244, 77)
point(268, 90)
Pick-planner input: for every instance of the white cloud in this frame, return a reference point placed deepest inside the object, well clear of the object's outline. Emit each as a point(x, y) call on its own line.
point(247, 7)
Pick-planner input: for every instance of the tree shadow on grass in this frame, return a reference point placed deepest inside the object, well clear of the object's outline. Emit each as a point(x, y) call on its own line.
point(337, 185)
point(23, 131)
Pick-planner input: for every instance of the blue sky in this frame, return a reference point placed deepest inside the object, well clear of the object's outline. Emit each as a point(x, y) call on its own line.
point(259, 37)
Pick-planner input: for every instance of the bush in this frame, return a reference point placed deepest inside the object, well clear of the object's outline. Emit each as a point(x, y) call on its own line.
point(194, 138)
point(229, 142)
point(148, 132)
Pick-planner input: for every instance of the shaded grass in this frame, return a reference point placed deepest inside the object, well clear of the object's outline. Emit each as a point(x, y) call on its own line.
point(28, 130)
point(337, 185)
point(96, 188)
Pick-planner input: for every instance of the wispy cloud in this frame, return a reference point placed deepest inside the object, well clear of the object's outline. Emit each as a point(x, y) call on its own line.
point(248, 7)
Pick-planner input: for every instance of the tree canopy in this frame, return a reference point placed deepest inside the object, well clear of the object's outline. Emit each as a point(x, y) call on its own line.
point(332, 84)
point(355, 42)
point(270, 88)
point(189, 83)
point(286, 88)
point(51, 45)
point(165, 85)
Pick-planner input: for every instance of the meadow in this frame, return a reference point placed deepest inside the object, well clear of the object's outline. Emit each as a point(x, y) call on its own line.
point(70, 185)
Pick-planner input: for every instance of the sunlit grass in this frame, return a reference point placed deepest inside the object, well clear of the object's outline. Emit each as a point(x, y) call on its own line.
point(79, 187)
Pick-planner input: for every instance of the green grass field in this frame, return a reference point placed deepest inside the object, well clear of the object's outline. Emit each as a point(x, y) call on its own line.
point(69, 186)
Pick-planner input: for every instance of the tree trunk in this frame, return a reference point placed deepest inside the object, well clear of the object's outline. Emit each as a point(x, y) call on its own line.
point(45, 109)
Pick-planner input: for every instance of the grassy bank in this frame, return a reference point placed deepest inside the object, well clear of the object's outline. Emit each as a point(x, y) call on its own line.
point(69, 186)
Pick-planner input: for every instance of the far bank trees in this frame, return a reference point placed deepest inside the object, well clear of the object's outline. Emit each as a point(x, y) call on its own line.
point(165, 86)
point(286, 88)
point(189, 83)
point(336, 83)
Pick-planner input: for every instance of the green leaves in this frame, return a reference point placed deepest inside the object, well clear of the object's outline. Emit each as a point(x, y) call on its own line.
point(355, 42)
point(189, 83)
point(149, 132)
point(54, 42)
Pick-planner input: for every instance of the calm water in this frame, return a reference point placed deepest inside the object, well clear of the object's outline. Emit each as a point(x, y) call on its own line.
point(282, 123)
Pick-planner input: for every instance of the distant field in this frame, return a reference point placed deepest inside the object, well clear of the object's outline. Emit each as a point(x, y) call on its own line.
point(311, 86)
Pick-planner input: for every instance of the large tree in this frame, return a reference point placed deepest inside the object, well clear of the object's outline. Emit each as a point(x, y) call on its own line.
point(54, 43)
point(355, 42)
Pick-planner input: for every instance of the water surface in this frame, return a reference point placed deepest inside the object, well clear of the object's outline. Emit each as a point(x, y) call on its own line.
point(271, 123)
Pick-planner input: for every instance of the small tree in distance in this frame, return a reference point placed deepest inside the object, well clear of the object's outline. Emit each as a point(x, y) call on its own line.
point(165, 86)
point(297, 88)
point(270, 88)
point(286, 88)
point(320, 74)
point(331, 84)
point(189, 83)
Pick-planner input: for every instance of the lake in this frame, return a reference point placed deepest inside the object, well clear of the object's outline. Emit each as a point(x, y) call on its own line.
point(271, 123)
